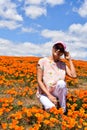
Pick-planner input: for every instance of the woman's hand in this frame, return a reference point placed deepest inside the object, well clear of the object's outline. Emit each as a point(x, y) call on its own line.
point(67, 55)
point(53, 99)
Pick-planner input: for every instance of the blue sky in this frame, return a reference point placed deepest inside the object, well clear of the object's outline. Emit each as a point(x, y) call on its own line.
point(31, 27)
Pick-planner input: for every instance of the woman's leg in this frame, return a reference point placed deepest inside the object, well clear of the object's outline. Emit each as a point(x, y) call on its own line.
point(60, 92)
point(46, 102)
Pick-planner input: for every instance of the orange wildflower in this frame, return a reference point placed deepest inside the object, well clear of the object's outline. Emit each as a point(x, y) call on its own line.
point(20, 103)
point(4, 126)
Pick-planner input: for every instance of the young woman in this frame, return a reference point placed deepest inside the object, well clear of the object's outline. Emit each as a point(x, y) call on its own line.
point(51, 72)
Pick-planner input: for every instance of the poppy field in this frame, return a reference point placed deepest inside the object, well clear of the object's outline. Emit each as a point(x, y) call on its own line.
point(21, 110)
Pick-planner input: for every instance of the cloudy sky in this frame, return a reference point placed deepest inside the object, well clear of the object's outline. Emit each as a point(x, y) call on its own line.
point(31, 27)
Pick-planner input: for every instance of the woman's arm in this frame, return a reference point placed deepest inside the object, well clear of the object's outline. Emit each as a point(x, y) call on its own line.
point(70, 71)
point(40, 80)
point(42, 86)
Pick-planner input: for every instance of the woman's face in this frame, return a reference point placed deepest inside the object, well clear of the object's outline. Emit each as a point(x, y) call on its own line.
point(57, 54)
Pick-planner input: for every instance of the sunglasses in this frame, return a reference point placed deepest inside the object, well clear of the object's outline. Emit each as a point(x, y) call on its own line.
point(58, 52)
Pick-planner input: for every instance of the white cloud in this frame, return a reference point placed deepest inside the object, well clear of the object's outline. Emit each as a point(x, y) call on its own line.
point(36, 2)
point(37, 8)
point(35, 50)
point(82, 11)
point(54, 35)
point(39, 2)
point(78, 28)
point(55, 2)
point(9, 16)
point(9, 24)
point(79, 31)
point(8, 10)
point(9, 48)
point(35, 11)
point(75, 33)
point(78, 50)
point(29, 30)
point(75, 39)
point(79, 54)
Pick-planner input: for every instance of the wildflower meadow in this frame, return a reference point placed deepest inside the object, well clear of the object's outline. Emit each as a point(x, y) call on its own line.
point(21, 110)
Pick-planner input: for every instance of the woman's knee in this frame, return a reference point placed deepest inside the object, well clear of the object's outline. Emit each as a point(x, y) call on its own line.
point(46, 102)
point(61, 84)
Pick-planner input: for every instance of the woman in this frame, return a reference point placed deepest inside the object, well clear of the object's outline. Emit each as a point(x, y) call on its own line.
point(51, 72)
